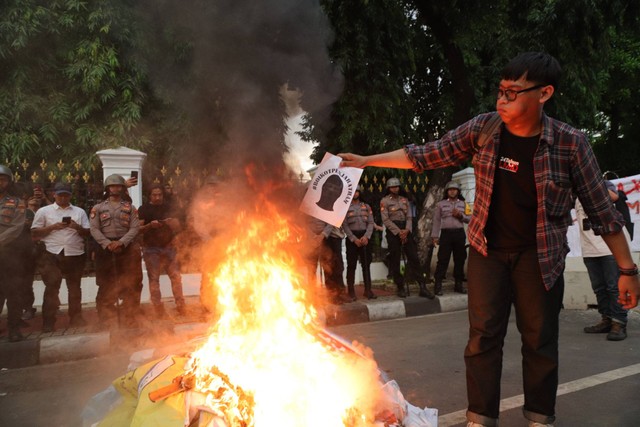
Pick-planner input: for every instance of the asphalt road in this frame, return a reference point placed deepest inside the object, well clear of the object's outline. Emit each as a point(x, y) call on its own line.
point(600, 380)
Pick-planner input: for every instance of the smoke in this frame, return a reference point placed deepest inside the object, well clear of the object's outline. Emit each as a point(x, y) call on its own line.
point(233, 60)
point(234, 71)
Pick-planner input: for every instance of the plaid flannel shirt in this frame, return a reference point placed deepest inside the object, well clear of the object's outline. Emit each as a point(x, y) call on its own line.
point(564, 167)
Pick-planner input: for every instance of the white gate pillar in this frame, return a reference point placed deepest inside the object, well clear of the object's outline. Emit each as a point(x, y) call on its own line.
point(123, 161)
point(467, 181)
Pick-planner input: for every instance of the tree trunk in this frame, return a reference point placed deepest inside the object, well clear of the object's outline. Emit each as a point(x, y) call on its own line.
point(435, 192)
point(463, 100)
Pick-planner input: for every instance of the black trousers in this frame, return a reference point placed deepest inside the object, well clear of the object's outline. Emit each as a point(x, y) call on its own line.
point(395, 254)
point(452, 241)
point(495, 283)
point(118, 276)
point(53, 268)
point(355, 253)
point(10, 273)
point(30, 258)
point(329, 253)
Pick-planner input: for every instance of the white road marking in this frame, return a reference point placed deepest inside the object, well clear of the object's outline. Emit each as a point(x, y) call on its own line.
point(459, 417)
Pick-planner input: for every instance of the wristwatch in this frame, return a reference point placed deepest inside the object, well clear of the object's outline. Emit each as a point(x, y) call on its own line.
point(628, 271)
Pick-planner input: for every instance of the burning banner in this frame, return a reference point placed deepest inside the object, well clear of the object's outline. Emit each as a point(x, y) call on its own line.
point(266, 361)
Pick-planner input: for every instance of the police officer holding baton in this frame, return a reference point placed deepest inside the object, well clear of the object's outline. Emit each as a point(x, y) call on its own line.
point(115, 226)
point(396, 216)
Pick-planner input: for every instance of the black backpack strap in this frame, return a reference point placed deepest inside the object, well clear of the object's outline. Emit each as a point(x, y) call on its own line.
point(488, 130)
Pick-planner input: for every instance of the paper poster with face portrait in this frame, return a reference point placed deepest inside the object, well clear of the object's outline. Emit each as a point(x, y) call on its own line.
point(330, 191)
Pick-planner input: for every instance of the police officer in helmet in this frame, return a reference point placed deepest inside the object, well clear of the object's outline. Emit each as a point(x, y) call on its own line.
point(12, 220)
point(115, 226)
point(397, 218)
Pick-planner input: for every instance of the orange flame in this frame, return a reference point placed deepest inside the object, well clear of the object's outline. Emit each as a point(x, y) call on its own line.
point(264, 365)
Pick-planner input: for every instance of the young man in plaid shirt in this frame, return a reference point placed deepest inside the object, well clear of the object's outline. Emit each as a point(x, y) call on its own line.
point(528, 172)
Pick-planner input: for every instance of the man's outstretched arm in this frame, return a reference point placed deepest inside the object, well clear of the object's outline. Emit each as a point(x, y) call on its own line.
point(393, 159)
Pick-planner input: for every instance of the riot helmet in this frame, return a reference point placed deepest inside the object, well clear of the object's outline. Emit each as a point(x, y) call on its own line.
point(6, 171)
point(393, 182)
point(452, 184)
point(114, 179)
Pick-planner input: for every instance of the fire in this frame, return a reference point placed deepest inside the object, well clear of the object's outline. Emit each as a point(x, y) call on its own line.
point(265, 363)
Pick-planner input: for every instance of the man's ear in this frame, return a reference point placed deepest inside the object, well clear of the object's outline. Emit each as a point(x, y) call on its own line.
point(546, 93)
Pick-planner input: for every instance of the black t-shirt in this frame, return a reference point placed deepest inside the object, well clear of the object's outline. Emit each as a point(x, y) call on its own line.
point(156, 237)
point(511, 225)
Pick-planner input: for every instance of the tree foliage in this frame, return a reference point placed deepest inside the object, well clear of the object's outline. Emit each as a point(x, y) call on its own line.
point(79, 76)
point(453, 51)
point(69, 86)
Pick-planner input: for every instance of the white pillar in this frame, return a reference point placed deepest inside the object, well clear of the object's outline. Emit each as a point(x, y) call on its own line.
point(467, 181)
point(123, 161)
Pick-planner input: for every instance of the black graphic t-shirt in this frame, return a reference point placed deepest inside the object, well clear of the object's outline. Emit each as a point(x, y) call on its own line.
point(511, 225)
point(156, 237)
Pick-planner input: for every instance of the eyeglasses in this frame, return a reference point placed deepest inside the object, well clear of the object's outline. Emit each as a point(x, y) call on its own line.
point(511, 95)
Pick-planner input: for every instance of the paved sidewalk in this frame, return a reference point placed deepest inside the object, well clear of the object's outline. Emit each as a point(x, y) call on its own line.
point(67, 343)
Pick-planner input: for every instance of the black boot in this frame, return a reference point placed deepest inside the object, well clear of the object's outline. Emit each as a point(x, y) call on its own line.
point(459, 288)
point(15, 335)
point(402, 292)
point(160, 311)
point(352, 292)
point(424, 292)
point(369, 293)
point(437, 288)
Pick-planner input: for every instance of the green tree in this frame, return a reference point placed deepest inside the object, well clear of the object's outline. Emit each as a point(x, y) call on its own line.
point(70, 85)
point(616, 136)
point(457, 50)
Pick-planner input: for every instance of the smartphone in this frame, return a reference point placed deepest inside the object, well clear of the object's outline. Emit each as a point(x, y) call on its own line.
point(134, 174)
point(66, 219)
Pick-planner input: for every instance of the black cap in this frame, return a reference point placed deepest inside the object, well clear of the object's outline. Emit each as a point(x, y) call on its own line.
point(62, 188)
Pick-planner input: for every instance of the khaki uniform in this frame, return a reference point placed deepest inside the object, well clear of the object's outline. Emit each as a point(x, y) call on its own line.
point(118, 274)
point(358, 223)
point(328, 253)
point(12, 220)
point(450, 231)
point(396, 216)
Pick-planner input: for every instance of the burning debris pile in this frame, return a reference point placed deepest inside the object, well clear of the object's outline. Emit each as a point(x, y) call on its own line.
point(266, 361)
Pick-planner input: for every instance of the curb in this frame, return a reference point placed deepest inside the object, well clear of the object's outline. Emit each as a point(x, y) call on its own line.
point(65, 348)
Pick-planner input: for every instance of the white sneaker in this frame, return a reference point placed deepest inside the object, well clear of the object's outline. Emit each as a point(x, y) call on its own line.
point(535, 424)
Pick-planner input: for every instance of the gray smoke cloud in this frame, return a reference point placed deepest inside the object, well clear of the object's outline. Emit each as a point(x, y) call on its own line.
point(238, 55)
point(227, 64)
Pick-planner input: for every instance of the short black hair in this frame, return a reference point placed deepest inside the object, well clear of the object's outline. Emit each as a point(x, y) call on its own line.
point(155, 187)
point(537, 67)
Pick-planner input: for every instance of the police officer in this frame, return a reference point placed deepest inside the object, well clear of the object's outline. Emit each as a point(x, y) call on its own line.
point(12, 221)
point(115, 225)
point(397, 217)
point(448, 232)
point(326, 244)
point(358, 226)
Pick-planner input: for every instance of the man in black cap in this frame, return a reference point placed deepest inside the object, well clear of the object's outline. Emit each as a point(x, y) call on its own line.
point(62, 228)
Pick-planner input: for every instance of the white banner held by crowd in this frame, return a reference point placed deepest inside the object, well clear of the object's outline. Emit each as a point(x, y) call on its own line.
point(330, 191)
point(631, 187)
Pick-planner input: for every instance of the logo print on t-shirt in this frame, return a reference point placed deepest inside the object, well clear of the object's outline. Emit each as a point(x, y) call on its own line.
point(509, 164)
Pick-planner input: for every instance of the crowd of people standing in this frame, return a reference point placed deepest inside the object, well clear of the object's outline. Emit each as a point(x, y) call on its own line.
point(398, 215)
point(47, 234)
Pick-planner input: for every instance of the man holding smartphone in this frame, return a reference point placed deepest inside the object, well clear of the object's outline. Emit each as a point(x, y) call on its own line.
point(62, 228)
point(159, 226)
